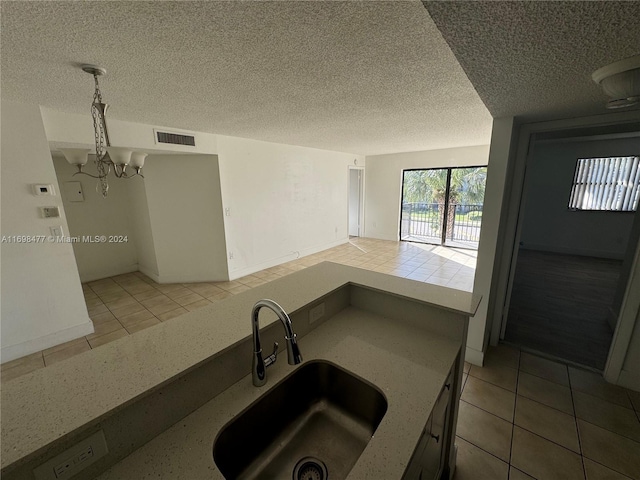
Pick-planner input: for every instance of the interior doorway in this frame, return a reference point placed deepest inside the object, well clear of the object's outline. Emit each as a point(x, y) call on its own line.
point(443, 206)
point(356, 202)
point(569, 269)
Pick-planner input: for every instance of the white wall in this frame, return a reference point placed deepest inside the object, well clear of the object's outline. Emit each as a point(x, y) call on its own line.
point(284, 201)
point(480, 326)
point(384, 183)
point(99, 216)
point(140, 224)
point(185, 212)
point(355, 199)
point(42, 300)
point(73, 129)
point(548, 224)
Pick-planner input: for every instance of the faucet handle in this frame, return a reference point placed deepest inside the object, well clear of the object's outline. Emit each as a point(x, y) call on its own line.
point(271, 359)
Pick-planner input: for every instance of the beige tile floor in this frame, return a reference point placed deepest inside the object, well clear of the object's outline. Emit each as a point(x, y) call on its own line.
point(523, 417)
point(125, 304)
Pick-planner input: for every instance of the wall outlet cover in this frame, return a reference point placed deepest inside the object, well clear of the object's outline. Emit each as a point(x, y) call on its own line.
point(74, 459)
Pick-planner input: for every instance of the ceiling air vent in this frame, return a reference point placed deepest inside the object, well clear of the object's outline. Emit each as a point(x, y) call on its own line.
point(175, 138)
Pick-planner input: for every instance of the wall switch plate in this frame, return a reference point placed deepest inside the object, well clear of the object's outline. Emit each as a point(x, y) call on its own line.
point(316, 313)
point(56, 231)
point(74, 459)
point(43, 189)
point(50, 212)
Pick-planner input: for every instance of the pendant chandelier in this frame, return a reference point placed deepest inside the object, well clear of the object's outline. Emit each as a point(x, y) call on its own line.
point(107, 158)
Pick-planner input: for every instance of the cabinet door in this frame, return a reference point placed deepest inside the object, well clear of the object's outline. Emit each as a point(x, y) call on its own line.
point(432, 457)
point(415, 466)
point(427, 462)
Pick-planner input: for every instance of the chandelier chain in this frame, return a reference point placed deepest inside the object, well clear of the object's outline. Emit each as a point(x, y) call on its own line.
point(98, 128)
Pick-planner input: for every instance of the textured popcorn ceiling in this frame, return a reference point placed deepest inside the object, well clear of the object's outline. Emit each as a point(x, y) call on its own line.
point(361, 77)
point(535, 59)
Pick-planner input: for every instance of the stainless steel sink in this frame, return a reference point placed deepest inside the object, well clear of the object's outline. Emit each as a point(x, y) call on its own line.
point(314, 424)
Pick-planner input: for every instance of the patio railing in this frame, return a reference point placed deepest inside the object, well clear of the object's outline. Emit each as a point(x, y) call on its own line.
point(424, 220)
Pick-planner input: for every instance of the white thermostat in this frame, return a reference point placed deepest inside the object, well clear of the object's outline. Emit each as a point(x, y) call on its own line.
point(42, 189)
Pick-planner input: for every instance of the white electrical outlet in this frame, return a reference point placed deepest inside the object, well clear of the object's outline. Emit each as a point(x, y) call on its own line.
point(230, 255)
point(74, 459)
point(316, 313)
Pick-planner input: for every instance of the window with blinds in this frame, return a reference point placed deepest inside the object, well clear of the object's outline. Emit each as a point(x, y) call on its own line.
point(608, 184)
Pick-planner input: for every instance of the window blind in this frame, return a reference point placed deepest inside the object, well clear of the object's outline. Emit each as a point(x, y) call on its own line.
point(609, 184)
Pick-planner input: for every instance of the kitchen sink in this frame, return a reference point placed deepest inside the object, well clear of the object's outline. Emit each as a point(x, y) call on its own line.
point(314, 424)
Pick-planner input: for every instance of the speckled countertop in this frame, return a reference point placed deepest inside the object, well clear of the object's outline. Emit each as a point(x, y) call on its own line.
point(47, 404)
point(406, 364)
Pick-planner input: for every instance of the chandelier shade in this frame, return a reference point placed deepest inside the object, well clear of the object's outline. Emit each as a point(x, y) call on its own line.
point(76, 156)
point(119, 156)
point(137, 159)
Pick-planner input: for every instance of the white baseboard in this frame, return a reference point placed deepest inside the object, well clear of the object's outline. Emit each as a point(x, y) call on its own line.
point(473, 356)
point(383, 236)
point(162, 279)
point(92, 276)
point(12, 352)
point(159, 278)
point(287, 258)
point(149, 273)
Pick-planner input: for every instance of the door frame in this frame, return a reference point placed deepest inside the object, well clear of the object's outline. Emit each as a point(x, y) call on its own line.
point(361, 197)
point(512, 219)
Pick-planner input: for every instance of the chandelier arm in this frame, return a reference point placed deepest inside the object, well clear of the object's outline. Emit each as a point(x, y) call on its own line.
point(85, 173)
point(120, 171)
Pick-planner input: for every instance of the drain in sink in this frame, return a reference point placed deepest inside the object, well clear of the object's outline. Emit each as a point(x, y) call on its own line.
point(310, 468)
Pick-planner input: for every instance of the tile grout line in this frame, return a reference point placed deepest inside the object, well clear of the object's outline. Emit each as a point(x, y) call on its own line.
point(523, 428)
point(527, 430)
point(495, 385)
point(513, 423)
point(400, 252)
point(575, 420)
point(483, 450)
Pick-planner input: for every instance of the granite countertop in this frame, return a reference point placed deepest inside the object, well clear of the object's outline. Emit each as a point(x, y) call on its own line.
point(45, 405)
point(408, 365)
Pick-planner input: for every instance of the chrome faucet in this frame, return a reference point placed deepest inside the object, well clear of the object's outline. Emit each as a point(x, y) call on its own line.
point(259, 367)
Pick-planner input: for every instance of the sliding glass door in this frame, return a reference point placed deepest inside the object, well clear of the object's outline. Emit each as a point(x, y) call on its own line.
point(443, 206)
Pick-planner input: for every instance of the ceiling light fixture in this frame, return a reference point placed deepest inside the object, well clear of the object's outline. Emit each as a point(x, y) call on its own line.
point(621, 82)
point(107, 158)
